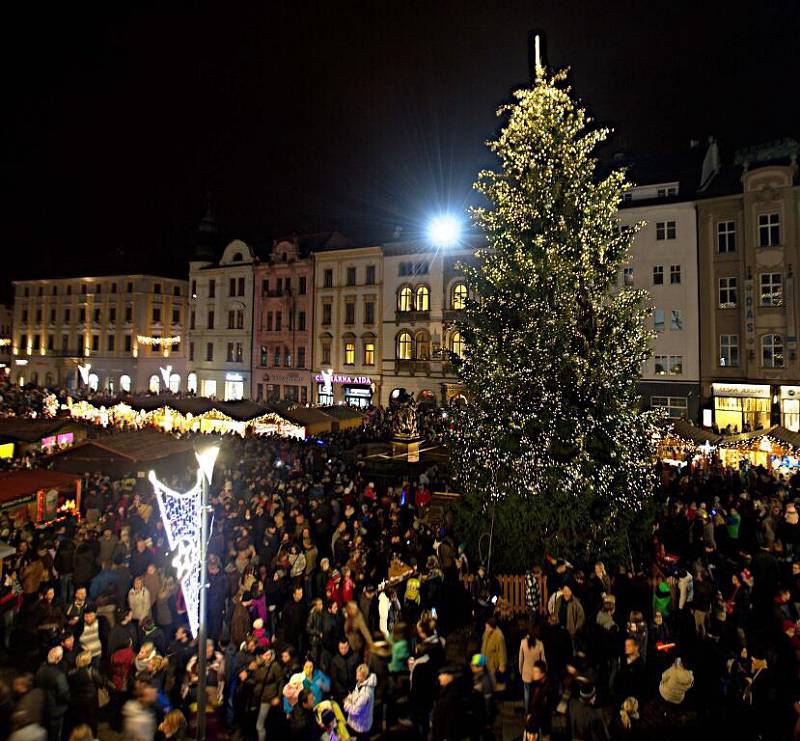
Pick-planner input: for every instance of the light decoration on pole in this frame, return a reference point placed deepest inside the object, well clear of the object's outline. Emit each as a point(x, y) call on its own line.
point(158, 341)
point(181, 513)
point(444, 230)
point(165, 374)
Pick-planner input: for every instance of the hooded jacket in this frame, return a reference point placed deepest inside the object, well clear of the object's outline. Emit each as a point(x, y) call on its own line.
point(359, 704)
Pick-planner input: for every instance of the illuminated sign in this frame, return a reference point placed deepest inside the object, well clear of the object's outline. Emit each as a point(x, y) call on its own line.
point(233, 377)
point(741, 390)
point(327, 378)
point(21, 361)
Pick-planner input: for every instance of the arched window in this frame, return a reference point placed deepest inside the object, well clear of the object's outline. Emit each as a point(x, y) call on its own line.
point(422, 346)
point(174, 383)
point(404, 346)
point(404, 299)
point(237, 257)
point(457, 344)
point(125, 383)
point(772, 351)
point(155, 384)
point(458, 298)
point(422, 299)
point(349, 352)
point(191, 383)
point(94, 381)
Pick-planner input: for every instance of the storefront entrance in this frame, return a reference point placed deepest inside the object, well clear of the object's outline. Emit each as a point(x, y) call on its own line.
point(790, 407)
point(357, 396)
point(740, 406)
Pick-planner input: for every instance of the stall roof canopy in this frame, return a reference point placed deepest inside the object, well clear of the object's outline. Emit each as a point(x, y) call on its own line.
point(24, 482)
point(32, 430)
point(776, 432)
point(6, 550)
point(242, 410)
point(140, 445)
point(342, 411)
point(309, 417)
point(698, 435)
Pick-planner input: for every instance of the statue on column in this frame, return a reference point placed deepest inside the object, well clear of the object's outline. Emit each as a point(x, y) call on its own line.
point(405, 425)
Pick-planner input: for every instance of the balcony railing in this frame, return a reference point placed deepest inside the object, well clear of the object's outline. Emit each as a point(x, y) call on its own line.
point(412, 316)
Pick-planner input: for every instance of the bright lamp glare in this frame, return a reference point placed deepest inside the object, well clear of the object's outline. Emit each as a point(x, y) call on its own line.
point(444, 230)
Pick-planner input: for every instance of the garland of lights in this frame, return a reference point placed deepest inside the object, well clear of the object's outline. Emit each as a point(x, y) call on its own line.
point(4, 341)
point(158, 341)
point(181, 513)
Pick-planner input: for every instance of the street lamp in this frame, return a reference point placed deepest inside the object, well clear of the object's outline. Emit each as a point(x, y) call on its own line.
point(444, 230)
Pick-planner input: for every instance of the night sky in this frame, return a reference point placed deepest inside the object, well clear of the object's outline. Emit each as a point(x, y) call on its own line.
point(358, 116)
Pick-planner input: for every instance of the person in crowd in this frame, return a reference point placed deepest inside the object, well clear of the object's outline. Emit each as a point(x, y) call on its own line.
point(50, 678)
point(359, 703)
point(531, 650)
point(493, 647)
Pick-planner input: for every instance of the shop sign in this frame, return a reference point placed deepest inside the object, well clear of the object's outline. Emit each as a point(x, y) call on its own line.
point(233, 377)
point(749, 317)
point(364, 393)
point(342, 380)
point(790, 392)
point(741, 390)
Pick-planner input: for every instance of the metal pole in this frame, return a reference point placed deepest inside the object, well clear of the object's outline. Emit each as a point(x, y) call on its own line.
point(491, 537)
point(202, 670)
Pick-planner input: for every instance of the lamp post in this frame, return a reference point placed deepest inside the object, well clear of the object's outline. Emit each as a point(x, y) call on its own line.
point(207, 458)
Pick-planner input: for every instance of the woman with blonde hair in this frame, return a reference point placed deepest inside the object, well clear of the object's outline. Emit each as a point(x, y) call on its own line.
point(81, 733)
point(174, 725)
point(84, 682)
point(628, 717)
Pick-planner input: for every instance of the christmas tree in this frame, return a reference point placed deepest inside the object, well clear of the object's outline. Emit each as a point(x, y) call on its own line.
point(552, 440)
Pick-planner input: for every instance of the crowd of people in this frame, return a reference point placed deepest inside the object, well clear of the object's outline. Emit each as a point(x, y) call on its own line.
point(338, 608)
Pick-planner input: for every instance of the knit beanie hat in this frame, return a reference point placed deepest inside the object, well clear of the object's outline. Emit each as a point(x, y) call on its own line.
point(675, 683)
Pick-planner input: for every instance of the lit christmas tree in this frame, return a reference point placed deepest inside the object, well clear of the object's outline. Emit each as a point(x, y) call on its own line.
point(553, 432)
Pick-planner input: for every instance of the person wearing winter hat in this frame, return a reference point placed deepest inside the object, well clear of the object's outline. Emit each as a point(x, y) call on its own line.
point(585, 719)
point(676, 681)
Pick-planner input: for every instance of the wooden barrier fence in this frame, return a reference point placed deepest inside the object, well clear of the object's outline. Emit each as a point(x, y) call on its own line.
point(512, 593)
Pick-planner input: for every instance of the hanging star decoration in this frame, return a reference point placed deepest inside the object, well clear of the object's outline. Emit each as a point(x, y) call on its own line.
point(181, 513)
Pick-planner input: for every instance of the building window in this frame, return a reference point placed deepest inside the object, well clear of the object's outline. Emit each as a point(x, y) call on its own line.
point(668, 192)
point(37, 342)
point(156, 314)
point(404, 299)
point(676, 320)
point(658, 275)
point(665, 230)
point(404, 346)
point(301, 321)
point(422, 346)
point(327, 281)
point(729, 350)
point(268, 321)
point(128, 342)
point(350, 313)
point(212, 288)
point(288, 286)
point(276, 358)
point(82, 316)
point(240, 319)
point(304, 394)
point(769, 230)
point(301, 285)
point(129, 314)
point(262, 357)
point(176, 316)
point(279, 287)
point(98, 289)
point(326, 314)
point(96, 316)
point(194, 289)
point(67, 315)
point(369, 353)
point(112, 315)
point(64, 343)
point(210, 351)
point(265, 286)
point(95, 343)
point(421, 268)
point(627, 277)
point(351, 276)
point(727, 293)
point(211, 320)
point(241, 286)
point(129, 288)
point(405, 268)
point(301, 356)
point(369, 312)
point(191, 351)
point(83, 289)
point(287, 358)
point(39, 315)
point(230, 352)
point(772, 351)
point(771, 289)
point(232, 287)
point(674, 274)
point(278, 320)
point(658, 320)
point(458, 298)
point(326, 354)
point(51, 342)
point(668, 365)
point(24, 316)
point(156, 288)
point(191, 319)
point(422, 299)
point(676, 406)
point(110, 341)
point(457, 344)
point(726, 236)
point(349, 352)
point(52, 316)
point(370, 281)
point(231, 319)
point(239, 352)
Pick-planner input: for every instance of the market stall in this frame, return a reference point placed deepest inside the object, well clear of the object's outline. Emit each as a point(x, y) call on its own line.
point(19, 436)
point(775, 447)
point(682, 442)
point(346, 416)
point(39, 495)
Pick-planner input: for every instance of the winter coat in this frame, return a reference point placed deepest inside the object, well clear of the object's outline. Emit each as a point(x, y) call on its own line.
point(268, 681)
point(53, 681)
point(493, 647)
point(360, 703)
point(529, 656)
point(685, 591)
point(447, 714)
point(343, 673)
point(575, 614)
point(586, 722)
point(32, 576)
point(139, 602)
point(355, 628)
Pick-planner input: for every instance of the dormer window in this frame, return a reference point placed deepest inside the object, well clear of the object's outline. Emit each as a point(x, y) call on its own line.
point(237, 257)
